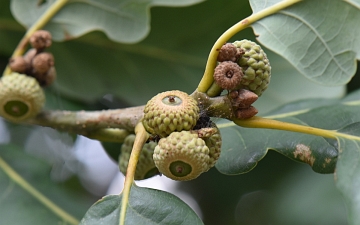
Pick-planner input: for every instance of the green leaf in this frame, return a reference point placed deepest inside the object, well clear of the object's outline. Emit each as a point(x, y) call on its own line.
point(168, 59)
point(243, 148)
point(288, 85)
point(28, 196)
point(122, 21)
point(347, 175)
point(167, 52)
point(320, 38)
point(146, 206)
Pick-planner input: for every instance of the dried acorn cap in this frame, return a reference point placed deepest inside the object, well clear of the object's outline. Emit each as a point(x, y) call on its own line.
point(212, 137)
point(146, 167)
point(228, 52)
point(21, 97)
point(170, 111)
point(182, 156)
point(41, 39)
point(228, 75)
point(29, 56)
point(41, 63)
point(256, 67)
point(18, 64)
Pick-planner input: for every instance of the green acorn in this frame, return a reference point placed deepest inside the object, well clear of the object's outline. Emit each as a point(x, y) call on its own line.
point(256, 67)
point(145, 167)
point(212, 137)
point(182, 156)
point(170, 111)
point(21, 97)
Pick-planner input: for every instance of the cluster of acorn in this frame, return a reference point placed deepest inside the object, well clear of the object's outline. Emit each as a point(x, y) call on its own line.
point(21, 94)
point(244, 70)
point(185, 149)
point(190, 144)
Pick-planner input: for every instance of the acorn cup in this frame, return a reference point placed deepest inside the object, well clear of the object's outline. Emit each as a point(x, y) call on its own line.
point(255, 66)
point(21, 97)
point(146, 167)
point(170, 111)
point(182, 156)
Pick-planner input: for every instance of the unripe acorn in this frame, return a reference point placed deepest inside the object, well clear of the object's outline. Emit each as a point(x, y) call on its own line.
point(182, 156)
point(212, 137)
point(256, 67)
point(170, 111)
point(21, 97)
point(146, 167)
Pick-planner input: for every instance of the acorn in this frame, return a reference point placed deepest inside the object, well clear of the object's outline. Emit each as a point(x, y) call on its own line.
point(146, 167)
point(228, 75)
point(182, 156)
point(43, 69)
point(18, 64)
point(212, 137)
point(170, 111)
point(41, 39)
point(21, 97)
point(41, 63)
point(255, 66)
point(228, 52)
point(29, 56)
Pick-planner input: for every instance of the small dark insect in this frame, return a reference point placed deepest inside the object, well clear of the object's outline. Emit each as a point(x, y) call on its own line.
point(154, 138)
point(203, 121)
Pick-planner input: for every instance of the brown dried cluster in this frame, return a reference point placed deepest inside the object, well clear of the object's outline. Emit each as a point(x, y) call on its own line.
point(241, 101)
point(41, 39)
point(229, 52)
point(228, 75)
point(36, 62)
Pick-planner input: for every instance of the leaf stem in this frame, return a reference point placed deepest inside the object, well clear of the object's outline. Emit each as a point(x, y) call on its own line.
point(259, 122)
point(208, 79)
point(14, 176)
point(140, 139)
point(40, 23)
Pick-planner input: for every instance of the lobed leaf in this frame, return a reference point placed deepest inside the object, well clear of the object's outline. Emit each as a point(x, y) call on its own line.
point(320, 38)
point(122, 21)
point(243, 148)
point(146, 206)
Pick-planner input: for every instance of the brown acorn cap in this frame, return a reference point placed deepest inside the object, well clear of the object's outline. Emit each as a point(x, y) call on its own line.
point(228, 75)
point(41, 39)
point(18, 64)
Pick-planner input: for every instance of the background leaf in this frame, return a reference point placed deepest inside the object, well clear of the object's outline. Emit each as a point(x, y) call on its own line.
point(347, 175)
point(242, 149)
point(320, 38)
point(122, 21)
point(19, 207)
point(146, 206)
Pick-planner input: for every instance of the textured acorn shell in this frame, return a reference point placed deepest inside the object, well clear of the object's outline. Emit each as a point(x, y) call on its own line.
point(256, 67)
point(182, 146)
point(162, 119)
point(213, 142)
point(146, 167)
point(21, 88)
